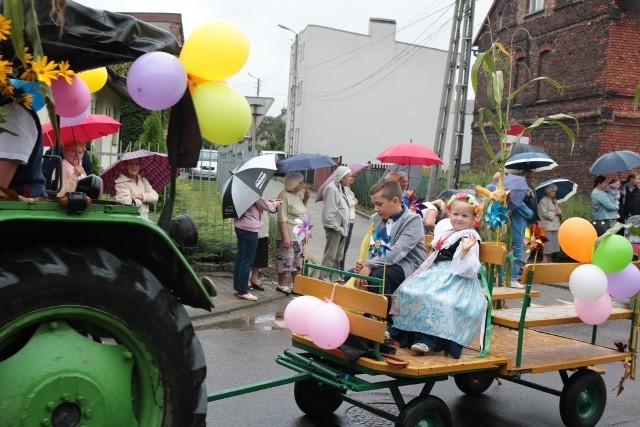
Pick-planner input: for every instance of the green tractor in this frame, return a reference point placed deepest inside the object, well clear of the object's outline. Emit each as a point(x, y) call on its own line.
point(93, 331)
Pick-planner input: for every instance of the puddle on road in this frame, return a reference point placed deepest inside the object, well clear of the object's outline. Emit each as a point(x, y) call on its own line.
point(266, 322)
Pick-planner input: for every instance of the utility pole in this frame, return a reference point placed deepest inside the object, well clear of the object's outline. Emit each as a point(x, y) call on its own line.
point(292, 94)
point(463, 17)
point(257, 85)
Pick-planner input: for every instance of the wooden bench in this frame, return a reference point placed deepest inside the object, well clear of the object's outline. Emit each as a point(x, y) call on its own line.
point(558, 314)
point(366, 311)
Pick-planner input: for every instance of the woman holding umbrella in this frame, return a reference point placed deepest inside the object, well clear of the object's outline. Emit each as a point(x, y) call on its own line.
point(134, 189)
point(604, 210)
point(549, 213)
point(72, 169)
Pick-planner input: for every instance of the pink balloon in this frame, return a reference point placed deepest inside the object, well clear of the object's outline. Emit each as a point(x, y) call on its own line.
point(71, 100)
point(593, 312)
point(156, 80)
point(329, 326)
point(298, 312)
point(70, 121)
point(624, 283)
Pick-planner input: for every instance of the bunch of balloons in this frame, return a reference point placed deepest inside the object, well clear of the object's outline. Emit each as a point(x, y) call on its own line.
point(213, 52)
point(323, 321)
point(606, 271)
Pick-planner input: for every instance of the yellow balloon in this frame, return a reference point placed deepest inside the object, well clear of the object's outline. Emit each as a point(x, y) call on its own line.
point(95, 78)
point(223, 113)
point(215, 50)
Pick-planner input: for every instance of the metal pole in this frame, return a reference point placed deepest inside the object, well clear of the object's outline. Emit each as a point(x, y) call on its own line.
point(291, 150)
point(257, 85)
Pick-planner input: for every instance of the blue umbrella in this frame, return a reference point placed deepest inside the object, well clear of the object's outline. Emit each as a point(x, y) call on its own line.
point(537, 162)
point(519, 148)
point(615, 161)
point(305, 161)
point(517, 185)
point(566, 189)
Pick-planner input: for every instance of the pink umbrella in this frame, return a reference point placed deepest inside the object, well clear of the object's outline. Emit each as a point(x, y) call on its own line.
point(409, 154)
point(356, 169)
point(153, 166)
point(94, 126)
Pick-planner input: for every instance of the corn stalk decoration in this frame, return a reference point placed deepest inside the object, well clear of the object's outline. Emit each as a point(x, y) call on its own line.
point(497, 65)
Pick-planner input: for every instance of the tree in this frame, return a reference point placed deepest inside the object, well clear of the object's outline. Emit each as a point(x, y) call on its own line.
point(271, 133)
point(152, 136)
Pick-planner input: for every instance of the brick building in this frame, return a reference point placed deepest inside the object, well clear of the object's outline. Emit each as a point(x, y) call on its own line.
point(590, 47)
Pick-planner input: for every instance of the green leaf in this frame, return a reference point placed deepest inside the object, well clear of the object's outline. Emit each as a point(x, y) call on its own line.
point(636, 99)
point(13, 11)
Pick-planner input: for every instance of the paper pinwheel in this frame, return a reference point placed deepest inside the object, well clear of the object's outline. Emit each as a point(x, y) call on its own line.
point(379, 243)
point(534, 237)
point(302, 229)
point(412, 199)
point(496, 215)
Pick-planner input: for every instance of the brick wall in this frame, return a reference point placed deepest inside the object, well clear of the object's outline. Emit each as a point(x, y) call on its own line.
point(590, 48)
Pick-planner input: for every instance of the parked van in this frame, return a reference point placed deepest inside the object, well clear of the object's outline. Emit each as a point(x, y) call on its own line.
point(207, 166)
point(280, 155)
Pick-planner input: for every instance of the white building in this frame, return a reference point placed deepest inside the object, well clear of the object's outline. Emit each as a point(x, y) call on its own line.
point(357, 94)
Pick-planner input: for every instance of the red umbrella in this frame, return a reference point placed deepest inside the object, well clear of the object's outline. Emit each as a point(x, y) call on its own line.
point(356, 169)
point(153, 166)
point(94, 126)
point(409, 154)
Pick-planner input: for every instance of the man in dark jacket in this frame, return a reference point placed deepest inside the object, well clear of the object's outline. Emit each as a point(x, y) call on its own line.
point(531, 200)
point(630, 202)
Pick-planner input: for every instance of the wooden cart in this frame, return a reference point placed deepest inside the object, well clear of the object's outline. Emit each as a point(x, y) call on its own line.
point(326, 378)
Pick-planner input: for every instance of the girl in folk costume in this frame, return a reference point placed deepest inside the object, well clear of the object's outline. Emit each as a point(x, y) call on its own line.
point(442, 306)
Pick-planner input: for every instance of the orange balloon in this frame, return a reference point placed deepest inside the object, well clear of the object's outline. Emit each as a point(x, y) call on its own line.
point(577, 238)
point(194, 81)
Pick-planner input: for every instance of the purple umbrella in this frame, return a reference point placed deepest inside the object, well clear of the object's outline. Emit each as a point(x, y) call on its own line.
point(356, 169)
point(518, 188)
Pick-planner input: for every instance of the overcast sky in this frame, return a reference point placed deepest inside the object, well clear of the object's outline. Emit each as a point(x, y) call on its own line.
point(422, 22)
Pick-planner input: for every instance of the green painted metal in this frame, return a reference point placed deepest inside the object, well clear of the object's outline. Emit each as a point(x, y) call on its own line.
point(60, 371)
point(588, 402)
point(43, 218)
point(237, 391)
point(526, 301)
point(532, 385)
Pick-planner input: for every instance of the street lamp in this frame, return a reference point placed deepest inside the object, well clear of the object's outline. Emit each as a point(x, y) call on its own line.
point(292, 91)
point(258, 84)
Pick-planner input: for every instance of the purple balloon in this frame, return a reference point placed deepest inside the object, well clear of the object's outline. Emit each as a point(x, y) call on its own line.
point(156, 80)
point(70, 121)
point(624, 283)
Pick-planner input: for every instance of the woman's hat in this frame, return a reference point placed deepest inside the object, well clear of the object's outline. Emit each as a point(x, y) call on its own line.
point(341, 172)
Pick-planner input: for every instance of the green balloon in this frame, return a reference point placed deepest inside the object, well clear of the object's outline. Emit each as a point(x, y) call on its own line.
point(613, 254)
point(223, 113)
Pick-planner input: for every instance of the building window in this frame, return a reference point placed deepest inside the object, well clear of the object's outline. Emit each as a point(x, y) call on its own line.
point(536, 5)
point(500, 23)
point(299, 93)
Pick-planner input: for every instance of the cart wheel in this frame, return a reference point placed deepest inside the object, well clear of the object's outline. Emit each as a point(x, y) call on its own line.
point(89, 338)
point(474, 383)
point(429, 411)
point(315, 398)
point(583, 399)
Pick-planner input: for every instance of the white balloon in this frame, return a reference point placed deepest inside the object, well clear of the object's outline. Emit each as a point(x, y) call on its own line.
point(588, 282)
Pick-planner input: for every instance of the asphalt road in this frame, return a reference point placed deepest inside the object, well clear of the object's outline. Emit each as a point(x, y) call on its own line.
point(241, 346)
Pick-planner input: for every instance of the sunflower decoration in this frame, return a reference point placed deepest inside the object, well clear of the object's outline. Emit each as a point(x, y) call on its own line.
point(379, 243)
point(534, 238)
point(32, 75)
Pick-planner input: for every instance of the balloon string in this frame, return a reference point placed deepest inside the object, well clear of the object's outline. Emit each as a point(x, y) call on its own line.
point(333, 291)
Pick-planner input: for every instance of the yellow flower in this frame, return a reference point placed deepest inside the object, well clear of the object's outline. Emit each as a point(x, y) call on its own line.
point(45, 70)
point(5, 27)
point(65, 72)
point(8, 90)
point(5, 70)
point(27, 100)
point(29, 75)
point(27, 56)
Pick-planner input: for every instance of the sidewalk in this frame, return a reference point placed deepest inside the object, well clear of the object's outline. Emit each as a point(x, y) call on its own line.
point(226, 302)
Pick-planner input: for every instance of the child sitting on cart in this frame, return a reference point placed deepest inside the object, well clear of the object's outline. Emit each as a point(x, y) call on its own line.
point(441, 306)
point(405, 241)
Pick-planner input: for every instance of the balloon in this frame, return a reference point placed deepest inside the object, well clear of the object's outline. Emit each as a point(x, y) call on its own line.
point(328, 326)
point(594, 312)
point(588, 282)
point(71, 100)
point(156, 80)
point(70, 121)
point(624, 283)
point(223, 113)
point(95, 78)
point(613, 253)
point(33, 89)
point(298, 312)
point(577, 237)
point(215, 50)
